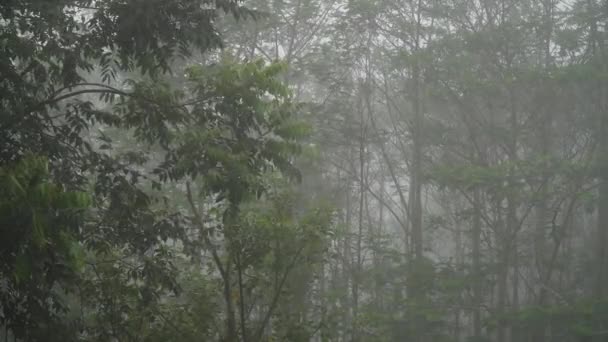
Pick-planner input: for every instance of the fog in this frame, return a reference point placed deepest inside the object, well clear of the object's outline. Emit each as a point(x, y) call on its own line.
point(304, 170)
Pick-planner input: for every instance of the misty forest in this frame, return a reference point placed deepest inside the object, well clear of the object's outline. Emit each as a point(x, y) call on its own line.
point(304, 170)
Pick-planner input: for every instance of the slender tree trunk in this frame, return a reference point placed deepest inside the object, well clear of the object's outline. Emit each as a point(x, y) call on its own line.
point(242, 312)
point(459, 266)
point(512, 204)
point(540, 236)
point(515, 332)
point(357, 268)
point(602, 241)
point(477, 274)
point(348, 267)
point(602, 219)
point(231, 332)
point(601, 89)
point(416, 172)
point(415, 188)
point(417, 288)
point(323, 303)
point(602, 109)
point(503, 272)
point(379, 231)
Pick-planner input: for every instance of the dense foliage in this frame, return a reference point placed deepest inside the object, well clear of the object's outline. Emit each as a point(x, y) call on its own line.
point(304, 170)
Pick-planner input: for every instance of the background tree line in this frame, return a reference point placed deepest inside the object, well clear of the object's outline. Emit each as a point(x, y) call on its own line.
point(304, 170)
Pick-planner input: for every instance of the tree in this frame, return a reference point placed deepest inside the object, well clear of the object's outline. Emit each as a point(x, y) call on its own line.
point(50, 49)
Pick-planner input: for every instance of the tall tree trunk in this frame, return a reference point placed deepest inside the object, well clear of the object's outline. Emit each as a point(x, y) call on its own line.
point(600, 291)
point(459, 265)
point(231, 332)
point(508, 237)
point(416, 172)
point(503, 272)
point(477, 274)
point(358, 261)
point(417, 288)
point(602, 109)
point(348, 266)
point(242, 312)
point(601, 89)
point(515, 332)
point(602, 233)
point(540, 235)
point(379, 231)
point(323, 333)
point(512, 204)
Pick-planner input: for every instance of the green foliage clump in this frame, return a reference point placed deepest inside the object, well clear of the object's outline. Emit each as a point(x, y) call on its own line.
point(41, 255)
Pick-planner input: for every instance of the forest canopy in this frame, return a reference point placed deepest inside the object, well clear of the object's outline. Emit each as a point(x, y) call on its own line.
point(304, 170)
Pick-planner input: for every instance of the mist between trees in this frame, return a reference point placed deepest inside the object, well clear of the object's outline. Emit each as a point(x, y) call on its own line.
point(304, 170)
